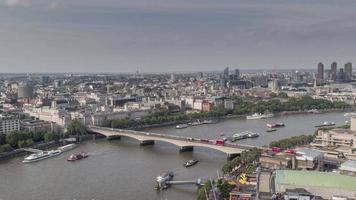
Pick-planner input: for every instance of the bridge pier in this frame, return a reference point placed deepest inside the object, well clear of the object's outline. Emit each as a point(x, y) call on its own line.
point(147, 142)
point(232, 156)
point(186, 148)
point(113, 137)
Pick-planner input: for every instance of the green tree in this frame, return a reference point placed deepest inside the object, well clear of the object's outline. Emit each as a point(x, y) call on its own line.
point(5, 148)
point(76, 128)
point(201, 191)
point(2, 139)
point(48, 137)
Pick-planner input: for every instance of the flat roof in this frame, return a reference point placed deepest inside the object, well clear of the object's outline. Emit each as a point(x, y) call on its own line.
point(315, 179)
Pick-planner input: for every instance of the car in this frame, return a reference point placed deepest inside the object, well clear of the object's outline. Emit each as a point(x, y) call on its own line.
point(148, 134)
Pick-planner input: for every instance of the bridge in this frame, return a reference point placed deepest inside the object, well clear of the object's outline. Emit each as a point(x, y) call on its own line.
point(184, 143)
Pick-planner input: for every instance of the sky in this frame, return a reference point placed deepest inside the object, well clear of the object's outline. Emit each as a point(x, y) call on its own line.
point(174, 35)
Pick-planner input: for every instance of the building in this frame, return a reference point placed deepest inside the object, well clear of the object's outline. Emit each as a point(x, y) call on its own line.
point(25, 90)
point(308, 158)
point(337, 137)
point(274, 85)
point(320, 75)
point(226, 72)
point(37, 126)
point(348, 168)
point(207, 106)
point(333, 71)
point(8, 124)
point(348, 71)
point(323, 184)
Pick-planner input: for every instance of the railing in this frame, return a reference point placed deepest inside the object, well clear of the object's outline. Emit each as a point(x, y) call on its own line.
point(174, 137)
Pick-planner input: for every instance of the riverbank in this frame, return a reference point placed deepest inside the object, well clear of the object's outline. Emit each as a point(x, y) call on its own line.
point(234, 116)
point(45, 146)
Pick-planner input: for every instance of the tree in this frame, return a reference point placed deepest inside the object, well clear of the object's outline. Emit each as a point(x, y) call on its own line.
point(2, 139)
point(5, 148)
point(76, 128)
point(48, 137)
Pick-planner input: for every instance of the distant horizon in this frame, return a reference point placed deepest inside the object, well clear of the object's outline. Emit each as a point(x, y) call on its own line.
point(231, 69)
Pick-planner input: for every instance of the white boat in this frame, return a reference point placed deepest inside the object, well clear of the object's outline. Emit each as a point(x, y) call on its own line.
point(260, 116)
point(180, 126)
point(244, 135)
point(41, 156)
point(325, 124)
point(66, 147)
point(349, 114)
point(207, 122)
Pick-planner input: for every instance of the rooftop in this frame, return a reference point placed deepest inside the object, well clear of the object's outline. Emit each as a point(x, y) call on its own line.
point(316, 179)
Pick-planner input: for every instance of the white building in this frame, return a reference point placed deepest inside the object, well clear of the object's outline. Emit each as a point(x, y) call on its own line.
point(8, 124)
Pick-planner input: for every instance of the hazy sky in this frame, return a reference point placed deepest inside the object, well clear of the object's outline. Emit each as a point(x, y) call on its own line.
point(174, 35)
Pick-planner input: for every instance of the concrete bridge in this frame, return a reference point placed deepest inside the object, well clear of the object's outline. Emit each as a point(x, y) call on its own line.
point(184, 143)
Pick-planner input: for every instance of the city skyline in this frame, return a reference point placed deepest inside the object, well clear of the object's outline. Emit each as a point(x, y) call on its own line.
point(125, 36)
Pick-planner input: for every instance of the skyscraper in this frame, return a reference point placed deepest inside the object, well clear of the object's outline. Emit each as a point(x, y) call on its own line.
point(237, 74)
point(333, 71)
point(320, 75)
point(348, 71)
point(226, 72)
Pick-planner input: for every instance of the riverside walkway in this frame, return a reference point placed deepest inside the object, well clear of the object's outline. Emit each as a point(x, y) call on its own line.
point(184, 143)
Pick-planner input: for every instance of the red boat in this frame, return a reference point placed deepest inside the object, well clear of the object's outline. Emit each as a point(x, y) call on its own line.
point(277, 125)
point(77, 156)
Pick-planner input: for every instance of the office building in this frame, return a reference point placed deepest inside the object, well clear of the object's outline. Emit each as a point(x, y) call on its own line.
point(348, 71)
point(25, 91)
point(320, 75)
point(226, 72)
point(8, 124)
point(333, 71)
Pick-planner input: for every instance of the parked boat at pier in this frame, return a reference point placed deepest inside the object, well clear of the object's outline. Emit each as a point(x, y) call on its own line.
point(181, 126)
point(41, 156)
point(325, 124)
point(260, 116)
point(67, 147)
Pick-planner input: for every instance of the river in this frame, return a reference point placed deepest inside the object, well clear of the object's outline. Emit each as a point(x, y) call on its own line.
point(121, 169)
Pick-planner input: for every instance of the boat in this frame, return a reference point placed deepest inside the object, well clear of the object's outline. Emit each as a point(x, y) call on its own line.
point(207, 121)
point(190, 163)
point(326, 124)
point(314, 111)
point(244, 135)
point(238, 136)
point(271, 130)
point(349, 114)
point(77, 156)
point(196, 123)
point(276, 125)
point(260, 116)
point(252, 135)
point(67, 147)
point(180, 126)
point(162, 179)
point(41, 156)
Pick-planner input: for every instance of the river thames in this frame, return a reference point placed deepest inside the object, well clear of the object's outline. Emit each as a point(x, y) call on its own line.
point(121, 169)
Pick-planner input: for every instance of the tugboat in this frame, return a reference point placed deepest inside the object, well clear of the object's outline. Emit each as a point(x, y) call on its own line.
point(77, 156)
point(190, 163)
